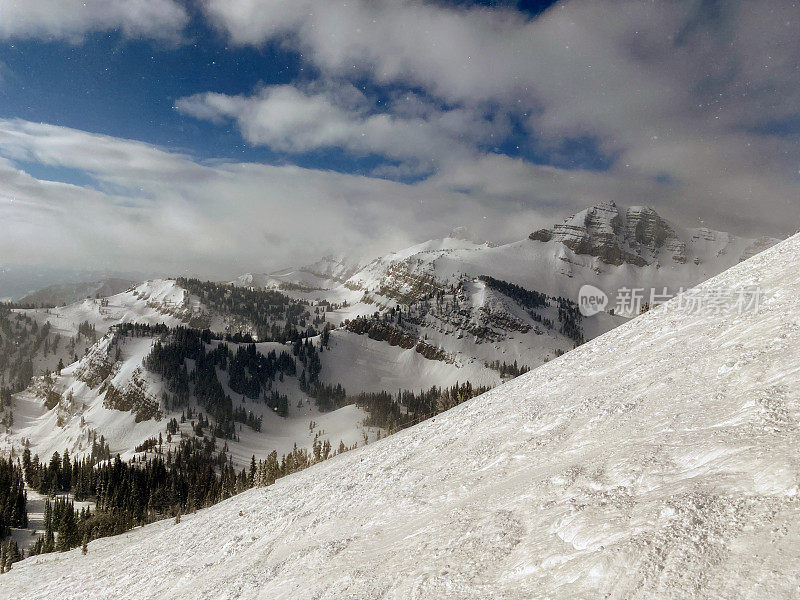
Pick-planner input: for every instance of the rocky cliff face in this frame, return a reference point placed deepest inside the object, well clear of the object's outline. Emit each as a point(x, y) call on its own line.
point(639, 236)
point(602, 231)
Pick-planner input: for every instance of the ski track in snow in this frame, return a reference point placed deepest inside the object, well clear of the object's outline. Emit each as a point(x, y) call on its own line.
point(660, 460)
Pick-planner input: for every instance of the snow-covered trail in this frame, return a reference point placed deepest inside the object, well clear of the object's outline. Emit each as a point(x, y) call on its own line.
point(660, 460)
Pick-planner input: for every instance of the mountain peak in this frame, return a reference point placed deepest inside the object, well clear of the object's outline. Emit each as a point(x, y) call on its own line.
point(463, 233)
point(597, 231)
point(640, 236)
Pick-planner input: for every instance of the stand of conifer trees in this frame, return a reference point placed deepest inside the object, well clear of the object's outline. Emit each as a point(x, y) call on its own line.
point(246, 372)
point(13, 499)
point(407, 408)
point(273, 316)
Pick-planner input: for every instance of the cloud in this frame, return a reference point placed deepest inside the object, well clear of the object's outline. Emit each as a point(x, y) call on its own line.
point(169, 212)
point(578, 58)
point(155, 210)
point(72, 19)
point(162, 211)
point(690, 104)
point(298, 119)
point(455, 52)
point(690, 92)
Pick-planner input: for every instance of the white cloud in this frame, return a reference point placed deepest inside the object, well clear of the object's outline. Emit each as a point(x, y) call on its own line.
point(166, 211)
point(456, 53)
point(675, 94)
point(157, 210)
point(578, 58)
point(670, 89)
point(72, 19)
point(301, 119)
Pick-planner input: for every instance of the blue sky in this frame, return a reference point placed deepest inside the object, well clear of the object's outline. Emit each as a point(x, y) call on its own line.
point(127, 88)
point(218, 136)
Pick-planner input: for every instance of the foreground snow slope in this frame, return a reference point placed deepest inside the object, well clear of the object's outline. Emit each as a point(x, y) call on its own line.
point(657, 461)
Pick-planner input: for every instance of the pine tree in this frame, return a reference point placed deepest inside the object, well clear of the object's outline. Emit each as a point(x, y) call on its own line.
point(67, 528)
point(66, 471)
point(12, 554)
point(48, 542)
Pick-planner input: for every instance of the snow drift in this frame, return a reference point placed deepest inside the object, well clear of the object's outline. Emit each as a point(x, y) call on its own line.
point(658, 461)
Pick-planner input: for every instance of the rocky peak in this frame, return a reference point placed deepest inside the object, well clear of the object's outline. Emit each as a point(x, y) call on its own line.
point(640, 236)
point(335, 268)
point(603, 231)
point(646, 227)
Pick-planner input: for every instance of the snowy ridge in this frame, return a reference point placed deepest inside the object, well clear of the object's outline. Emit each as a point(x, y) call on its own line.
point(66, 293)
point(120, 400)
point(606, 246)
point(81, 408)
point(324, 274)
point(152, 302)
point(658, 461)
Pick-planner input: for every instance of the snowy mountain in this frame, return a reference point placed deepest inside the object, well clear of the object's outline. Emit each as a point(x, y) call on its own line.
point(657, 461)
point(604, 246)
point(98, 384)
point(441, 313)
point(640, 237)
point(113, 396)
point(67, 293)
point(324, 274)
point(151, 302)
point(167, 301)
point(446, 299)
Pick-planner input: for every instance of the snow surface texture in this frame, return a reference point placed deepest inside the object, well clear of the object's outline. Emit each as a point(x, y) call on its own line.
point(659, 460)
point(363, 364)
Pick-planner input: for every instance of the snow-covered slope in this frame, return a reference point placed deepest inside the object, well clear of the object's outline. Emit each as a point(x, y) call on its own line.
point(67, 293)
point(152, 302)
point(73, 409)
point(324, 274)
point(368, 365)
point(658, 461)
point(77, 409)
point(605, 245)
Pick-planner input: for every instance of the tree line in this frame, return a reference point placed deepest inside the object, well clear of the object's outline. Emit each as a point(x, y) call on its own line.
point(407, 408)
point(246, 371)
point(272, 315)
